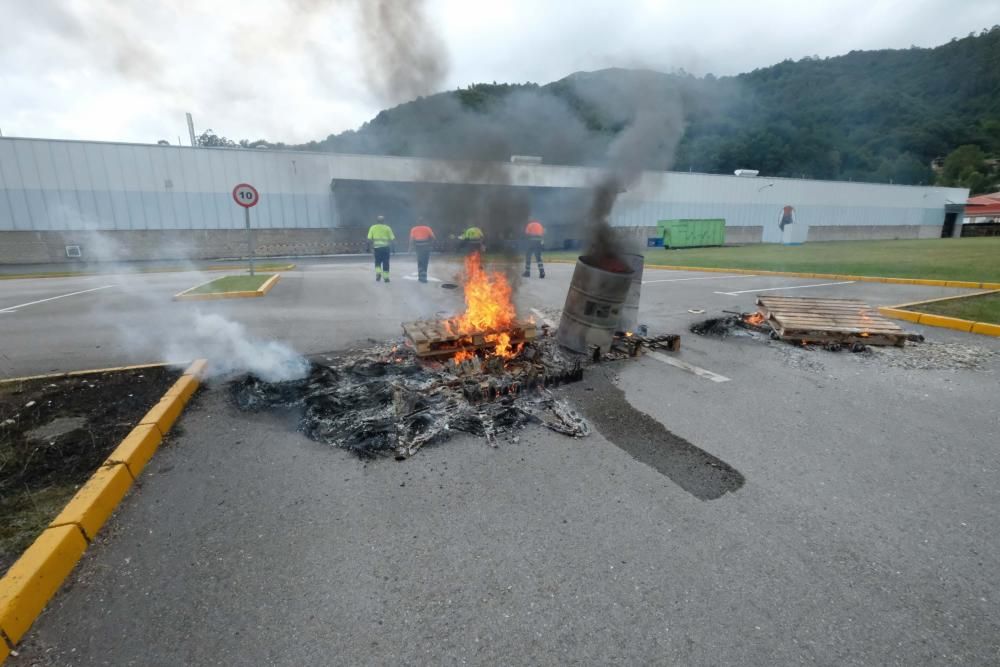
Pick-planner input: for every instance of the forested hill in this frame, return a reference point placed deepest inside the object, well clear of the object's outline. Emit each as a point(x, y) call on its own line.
point(868, 115)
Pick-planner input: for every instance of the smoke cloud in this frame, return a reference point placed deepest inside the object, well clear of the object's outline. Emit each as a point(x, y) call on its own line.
point(650, 138)
point(403, 55)
point(231, 349)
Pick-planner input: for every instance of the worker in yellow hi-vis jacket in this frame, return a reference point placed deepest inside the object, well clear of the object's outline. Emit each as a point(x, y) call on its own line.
point(473, 240)
point(380, 238)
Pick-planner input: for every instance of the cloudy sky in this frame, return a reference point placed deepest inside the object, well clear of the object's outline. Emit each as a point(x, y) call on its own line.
point(294, 70)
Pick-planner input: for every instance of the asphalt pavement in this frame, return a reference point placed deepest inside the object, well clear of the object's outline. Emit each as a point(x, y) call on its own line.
point(854, 521)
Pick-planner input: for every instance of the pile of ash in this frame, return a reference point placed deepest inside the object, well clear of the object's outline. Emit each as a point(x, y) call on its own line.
point(384, 401)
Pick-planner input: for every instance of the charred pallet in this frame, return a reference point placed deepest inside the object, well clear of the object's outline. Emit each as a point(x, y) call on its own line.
point(828, 321)
point(441, 338)
point(632, 345)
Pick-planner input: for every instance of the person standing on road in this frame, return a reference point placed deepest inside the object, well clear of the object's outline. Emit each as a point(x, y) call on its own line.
point(380, 238)
point(421, 240)
point(534, 238)
point(472, 240)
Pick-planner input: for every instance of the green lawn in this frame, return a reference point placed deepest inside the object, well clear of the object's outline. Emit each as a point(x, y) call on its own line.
point(985, 308)
point(972, 259)
point(233, 284)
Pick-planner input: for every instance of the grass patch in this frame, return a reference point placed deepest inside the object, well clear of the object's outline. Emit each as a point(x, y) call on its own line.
point(981, 308)
point(232, 284)
point(971, 259)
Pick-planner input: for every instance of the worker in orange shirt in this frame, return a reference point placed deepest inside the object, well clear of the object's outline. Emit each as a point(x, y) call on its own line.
point(534, 238)
point(422, 239)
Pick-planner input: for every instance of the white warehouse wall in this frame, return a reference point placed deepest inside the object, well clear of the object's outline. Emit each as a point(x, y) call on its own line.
point(55, 185)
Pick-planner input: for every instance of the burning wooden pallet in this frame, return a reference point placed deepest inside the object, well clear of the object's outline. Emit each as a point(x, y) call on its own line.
point(814, 320)
point(439, 338)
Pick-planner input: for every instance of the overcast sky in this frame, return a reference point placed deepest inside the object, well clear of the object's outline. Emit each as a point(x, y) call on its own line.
point(294, 70)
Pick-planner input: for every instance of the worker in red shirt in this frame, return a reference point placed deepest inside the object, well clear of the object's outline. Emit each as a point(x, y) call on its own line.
point(534, 238)
point(421, 240)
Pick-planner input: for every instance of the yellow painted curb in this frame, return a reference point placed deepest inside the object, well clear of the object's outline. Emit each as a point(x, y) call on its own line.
point(136, 449)
point(165, 413)
point(931, 320)
point(945, 322)
point(186, 295)
point(35, 577)
point(986, 329)
point(96, 500)
point(899, 314)
point(197, 368)
point(184, 387)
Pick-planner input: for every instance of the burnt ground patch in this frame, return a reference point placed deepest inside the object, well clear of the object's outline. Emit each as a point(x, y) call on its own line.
point(383, 401)
point(647, 440)
point(54, 432)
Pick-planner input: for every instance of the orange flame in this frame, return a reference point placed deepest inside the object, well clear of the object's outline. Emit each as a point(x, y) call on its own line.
point(756, 319)
point(488, 307)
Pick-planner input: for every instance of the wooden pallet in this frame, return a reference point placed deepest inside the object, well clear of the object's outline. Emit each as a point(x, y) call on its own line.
point(437, 338)
point(815, 320)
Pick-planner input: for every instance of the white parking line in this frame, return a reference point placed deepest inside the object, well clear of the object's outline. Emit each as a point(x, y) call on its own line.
point(415, 276)
point(775, 289)
point(13, 309)
point(690, 368)
point(677, 280)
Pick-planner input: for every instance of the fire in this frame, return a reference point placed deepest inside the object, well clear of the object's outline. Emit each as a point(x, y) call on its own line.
point(488, 307)
point(487, 299)
point(756, 319)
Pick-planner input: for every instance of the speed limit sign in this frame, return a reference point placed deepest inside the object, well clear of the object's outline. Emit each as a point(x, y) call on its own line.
point(246, 195)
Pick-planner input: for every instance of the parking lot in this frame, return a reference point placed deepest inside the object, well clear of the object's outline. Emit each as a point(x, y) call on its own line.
point(864, 530)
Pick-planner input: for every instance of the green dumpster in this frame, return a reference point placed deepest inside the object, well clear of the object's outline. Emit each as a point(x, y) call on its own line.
point(692, 232)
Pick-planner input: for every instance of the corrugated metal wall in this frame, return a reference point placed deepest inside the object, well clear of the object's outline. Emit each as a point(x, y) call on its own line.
point(71, 185)
point(66, 185)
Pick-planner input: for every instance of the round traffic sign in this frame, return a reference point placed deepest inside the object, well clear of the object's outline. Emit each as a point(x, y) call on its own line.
point(246, 195)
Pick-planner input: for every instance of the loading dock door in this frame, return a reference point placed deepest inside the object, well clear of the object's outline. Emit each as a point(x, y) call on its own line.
point(948, 229)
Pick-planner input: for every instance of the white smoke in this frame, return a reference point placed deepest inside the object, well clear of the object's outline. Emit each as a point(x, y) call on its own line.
point(230, 348)
point(155, 329)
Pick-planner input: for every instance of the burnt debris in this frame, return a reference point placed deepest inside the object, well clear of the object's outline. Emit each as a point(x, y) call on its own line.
point(383, 401)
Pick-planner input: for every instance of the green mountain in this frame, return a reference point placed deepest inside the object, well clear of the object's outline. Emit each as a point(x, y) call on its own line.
point(868, 116)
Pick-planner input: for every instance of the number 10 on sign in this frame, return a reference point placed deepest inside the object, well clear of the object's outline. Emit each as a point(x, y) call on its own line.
point(247, 196)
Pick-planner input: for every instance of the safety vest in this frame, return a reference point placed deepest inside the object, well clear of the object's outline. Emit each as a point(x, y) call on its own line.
point(421, 234)
point(380, 235)
point(534, 229)
point(472, 234)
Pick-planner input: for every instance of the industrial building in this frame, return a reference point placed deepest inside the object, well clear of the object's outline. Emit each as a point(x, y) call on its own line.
point(84, 200)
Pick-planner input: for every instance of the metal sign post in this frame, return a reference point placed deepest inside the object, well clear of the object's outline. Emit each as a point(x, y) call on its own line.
point(247, 196)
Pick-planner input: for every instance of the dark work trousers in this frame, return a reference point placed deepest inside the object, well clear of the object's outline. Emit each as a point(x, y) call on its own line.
point(423, 249)
point(382, 262)
point(533, 247)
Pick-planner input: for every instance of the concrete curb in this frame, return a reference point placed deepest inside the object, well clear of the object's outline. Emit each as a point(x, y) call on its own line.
point(832, 276)
point(901, 312)
point(36, 576)
point(209, 296)
point(73, 274)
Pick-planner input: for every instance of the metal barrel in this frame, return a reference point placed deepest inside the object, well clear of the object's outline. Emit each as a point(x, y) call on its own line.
point(593, 307)
point(630, 309)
